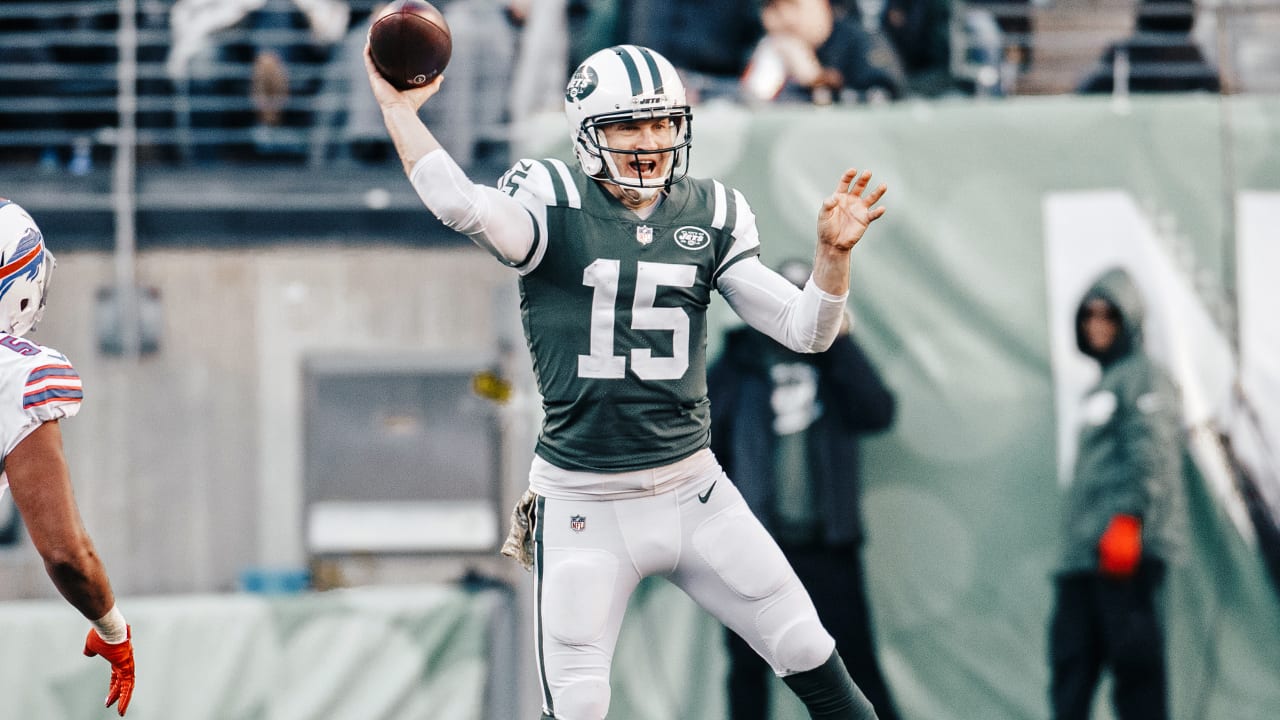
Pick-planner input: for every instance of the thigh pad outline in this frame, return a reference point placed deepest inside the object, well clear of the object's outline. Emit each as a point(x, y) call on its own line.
point(577, 593)
point(742, 553)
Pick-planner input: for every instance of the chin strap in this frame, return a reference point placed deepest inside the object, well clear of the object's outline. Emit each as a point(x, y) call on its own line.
point(639, 195)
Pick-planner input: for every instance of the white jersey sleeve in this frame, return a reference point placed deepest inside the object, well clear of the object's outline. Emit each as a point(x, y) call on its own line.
point(805, 320)
point(37, 384)
point(508, 226)
point(538, 185)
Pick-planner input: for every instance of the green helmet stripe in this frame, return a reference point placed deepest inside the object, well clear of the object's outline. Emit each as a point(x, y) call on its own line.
point(653, 69)
point(633, 72)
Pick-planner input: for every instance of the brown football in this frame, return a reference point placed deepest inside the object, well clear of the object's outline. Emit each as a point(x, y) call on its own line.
point(410, 43)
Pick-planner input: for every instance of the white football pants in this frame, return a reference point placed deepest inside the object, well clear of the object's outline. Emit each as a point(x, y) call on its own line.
point(591, 554)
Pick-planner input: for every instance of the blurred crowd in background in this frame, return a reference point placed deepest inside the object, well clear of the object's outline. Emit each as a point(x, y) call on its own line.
point(280, 80)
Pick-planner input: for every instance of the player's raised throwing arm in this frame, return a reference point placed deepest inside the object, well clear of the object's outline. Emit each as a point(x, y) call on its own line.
point(400, 113)
point(492, 220)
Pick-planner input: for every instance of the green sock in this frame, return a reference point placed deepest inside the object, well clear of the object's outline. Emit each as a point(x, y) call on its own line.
point(829, 693)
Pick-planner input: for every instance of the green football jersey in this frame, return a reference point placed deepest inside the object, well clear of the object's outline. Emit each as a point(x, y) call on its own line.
point(614, 310)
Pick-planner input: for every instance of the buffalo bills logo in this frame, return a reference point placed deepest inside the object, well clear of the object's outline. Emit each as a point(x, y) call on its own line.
point(30, 239)
point(25, 262)
point(578, 523)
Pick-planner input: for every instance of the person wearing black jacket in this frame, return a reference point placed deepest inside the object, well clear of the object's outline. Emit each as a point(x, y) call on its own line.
point(1162, 54)
point(785, 427)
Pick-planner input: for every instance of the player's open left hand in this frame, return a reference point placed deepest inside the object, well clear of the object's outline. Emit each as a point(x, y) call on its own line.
point(120, 656)
point(387, 95)
point(846, 213)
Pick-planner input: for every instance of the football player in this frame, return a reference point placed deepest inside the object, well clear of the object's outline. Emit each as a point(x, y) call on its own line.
point(617, 257)
point(39, 387)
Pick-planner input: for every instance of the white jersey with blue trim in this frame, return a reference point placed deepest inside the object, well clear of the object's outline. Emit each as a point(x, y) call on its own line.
point(37, 384)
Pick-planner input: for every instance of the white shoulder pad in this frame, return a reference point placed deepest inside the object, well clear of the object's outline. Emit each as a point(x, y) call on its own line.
point(546, 183)
point(733, 211)
point(52, 388)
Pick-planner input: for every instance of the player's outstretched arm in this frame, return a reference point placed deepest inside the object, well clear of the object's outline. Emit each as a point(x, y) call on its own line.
point(842, 220)
point(400, 113)
point(41, 487)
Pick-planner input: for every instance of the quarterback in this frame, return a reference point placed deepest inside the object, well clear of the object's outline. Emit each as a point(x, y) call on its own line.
point(39, 387)
point(617, 257)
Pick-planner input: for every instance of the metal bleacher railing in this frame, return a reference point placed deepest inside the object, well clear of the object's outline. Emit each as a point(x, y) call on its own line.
point(1038, 47)
point(60, 75)
point(60, 69)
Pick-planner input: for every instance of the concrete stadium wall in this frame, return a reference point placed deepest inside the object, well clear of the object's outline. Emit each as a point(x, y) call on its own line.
point(188, 463)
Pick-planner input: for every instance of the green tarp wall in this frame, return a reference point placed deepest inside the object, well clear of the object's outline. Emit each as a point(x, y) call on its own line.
point(407, 653)
point(950, 293)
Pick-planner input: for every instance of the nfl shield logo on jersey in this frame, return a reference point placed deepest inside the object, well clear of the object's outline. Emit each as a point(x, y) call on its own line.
point(644, 234)
point(578, 523)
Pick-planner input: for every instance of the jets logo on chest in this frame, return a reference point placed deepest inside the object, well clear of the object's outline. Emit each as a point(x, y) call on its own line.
point(644, 234)
point(692, 238)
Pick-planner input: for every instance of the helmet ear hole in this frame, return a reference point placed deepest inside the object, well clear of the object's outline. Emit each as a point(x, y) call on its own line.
point(23, 305)
point(591, 159)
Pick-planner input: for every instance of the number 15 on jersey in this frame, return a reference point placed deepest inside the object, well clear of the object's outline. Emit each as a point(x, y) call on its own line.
point(602, 275)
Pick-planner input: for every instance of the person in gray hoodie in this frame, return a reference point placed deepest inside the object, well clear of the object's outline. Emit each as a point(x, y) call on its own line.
point(1122, 521)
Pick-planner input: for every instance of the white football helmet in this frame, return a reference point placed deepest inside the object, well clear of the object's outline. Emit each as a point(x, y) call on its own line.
point(626, 82)
point(25, 267)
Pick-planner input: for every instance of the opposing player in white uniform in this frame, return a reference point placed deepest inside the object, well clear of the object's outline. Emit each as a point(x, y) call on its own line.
point(39, 387)
point(617, 258)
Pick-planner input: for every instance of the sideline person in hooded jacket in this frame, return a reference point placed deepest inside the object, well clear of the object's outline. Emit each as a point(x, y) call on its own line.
point(1123, 519)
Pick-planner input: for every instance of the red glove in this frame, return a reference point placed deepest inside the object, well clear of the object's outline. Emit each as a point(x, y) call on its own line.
point(121, 658)
point(1120, 546)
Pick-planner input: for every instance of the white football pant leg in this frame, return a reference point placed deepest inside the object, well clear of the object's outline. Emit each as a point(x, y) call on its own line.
point(734, 569)
point(590, 555)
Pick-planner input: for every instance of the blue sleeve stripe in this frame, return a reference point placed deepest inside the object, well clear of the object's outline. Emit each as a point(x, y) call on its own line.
point(51, 395)
point(57, 372)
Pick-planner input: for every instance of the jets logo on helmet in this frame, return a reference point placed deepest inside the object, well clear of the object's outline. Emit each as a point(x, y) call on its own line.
point(620, 84)
point(584, 81)
point(25, 267)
